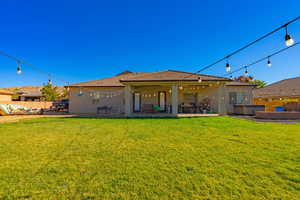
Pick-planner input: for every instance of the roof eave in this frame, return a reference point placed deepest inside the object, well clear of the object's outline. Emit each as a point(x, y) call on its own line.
point(173, 80)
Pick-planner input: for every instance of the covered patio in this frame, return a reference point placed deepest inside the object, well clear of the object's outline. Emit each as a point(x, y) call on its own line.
point(174, 99)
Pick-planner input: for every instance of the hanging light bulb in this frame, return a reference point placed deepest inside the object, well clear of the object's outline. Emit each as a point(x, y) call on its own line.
point(227, 64)
point(269, 62)
point(199, 79)
point(80, 93)
point(246, 71)
point(288, 39)
point(227, 67)
point(19, 71)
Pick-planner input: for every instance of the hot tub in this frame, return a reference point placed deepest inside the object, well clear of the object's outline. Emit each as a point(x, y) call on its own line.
point(247, 109)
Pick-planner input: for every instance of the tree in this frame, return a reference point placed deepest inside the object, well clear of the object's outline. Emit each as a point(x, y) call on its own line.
point(65, 94)
point(244, 79)
point(259, 83)
point(49, 92)
point(250, 79)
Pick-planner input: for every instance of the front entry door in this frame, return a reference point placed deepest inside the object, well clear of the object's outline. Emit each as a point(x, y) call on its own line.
point(136, 102)
point(162, 100)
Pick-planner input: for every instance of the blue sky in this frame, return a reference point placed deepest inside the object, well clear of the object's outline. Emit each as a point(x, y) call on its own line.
point(86, 40)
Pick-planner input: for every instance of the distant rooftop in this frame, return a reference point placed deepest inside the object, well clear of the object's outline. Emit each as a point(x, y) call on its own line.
point(285, 88)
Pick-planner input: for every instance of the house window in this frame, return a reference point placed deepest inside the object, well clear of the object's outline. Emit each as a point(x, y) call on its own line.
point(237, 98)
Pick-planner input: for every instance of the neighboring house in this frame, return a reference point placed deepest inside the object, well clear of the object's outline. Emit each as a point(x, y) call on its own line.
point(5, 95)
point(282, 93)
point(158, 92)
point(30, 95)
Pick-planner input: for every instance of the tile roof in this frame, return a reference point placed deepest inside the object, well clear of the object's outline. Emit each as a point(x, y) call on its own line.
point(168, 75)
point(285, 88)
point(113, 81)
point(172, 75)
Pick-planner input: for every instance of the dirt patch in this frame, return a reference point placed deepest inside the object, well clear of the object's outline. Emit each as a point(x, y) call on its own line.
point(16, 118)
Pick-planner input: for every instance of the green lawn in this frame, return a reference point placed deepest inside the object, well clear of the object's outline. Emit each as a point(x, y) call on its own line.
point(189, 158)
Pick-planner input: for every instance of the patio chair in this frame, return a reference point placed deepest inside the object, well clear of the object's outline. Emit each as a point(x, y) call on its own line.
point(148, 108)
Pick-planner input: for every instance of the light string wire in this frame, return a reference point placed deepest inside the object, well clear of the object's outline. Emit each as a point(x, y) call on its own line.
point(50, 75)
point(248, 45)
point(260, 60)
point(244, 47)
point(20, 61)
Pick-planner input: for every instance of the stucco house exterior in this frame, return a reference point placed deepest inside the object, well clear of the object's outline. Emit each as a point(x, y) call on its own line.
point(169, 92)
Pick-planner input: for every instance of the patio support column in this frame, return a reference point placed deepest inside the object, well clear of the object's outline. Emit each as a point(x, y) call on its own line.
point(128, 100)
point(174, 99)
point(222, 107)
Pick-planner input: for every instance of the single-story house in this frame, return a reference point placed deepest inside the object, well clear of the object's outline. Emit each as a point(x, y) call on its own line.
point(282, 93)
point(5, 95)
point(167, 91)
point(33, 95)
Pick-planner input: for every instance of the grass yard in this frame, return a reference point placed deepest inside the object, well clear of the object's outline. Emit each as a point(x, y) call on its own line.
point(188, 158)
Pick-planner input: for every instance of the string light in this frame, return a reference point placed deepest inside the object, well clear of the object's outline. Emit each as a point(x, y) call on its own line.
point(288, 39)
point(246, 71)
point(22, 62)
point(199, 79)
point(289, 42)
point(19, 71)
point(269, 63)
point(49, 80)
point(227, 65)
point(80, 94)
point(262, 59)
